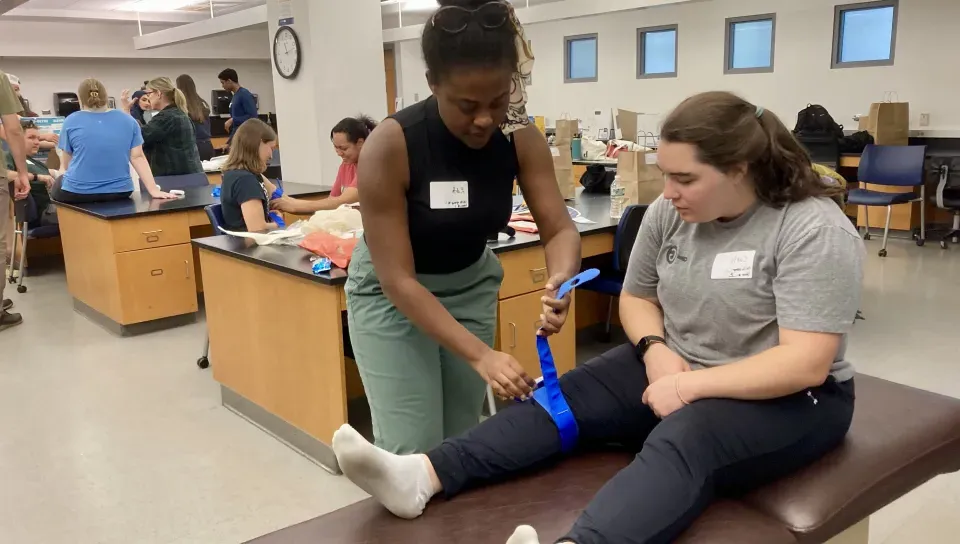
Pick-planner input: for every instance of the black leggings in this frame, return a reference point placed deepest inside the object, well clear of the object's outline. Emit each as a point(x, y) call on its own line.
point(67, 197)
point(711, 447)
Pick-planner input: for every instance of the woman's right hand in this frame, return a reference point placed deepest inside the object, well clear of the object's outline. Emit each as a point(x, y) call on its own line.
point(504, 374)
point(161, 195)
point(662, 361)
point(125, 102)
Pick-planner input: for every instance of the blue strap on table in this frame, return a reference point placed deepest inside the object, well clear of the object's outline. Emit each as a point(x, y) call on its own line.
point(549, 396)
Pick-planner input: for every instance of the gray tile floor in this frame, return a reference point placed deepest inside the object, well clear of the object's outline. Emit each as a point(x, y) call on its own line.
point(110, 440)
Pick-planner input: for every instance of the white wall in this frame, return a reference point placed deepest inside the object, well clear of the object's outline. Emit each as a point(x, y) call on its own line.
point(924, 73)
point(115, 40)
point(411, 72)
point(41, 77)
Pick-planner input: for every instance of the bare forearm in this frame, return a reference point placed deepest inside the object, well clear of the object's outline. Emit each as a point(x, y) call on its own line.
point(562, 253)
point(142, 167)
point(640, 318)
point(422, 308)
point(774, 373)
point(15, 140)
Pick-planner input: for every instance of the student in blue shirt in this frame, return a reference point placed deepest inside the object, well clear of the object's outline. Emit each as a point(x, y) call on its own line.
point(243, 106)
point(98, 146)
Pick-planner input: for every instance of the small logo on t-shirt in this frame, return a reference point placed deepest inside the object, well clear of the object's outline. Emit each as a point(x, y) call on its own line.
point(673, 253)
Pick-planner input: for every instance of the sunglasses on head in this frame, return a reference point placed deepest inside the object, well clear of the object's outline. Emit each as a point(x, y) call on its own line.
point(456, 19)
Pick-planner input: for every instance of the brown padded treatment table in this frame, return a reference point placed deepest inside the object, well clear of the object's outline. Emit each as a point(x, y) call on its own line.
point(901, 437)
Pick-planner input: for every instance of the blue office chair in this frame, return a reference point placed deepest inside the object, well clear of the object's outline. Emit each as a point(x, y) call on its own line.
point(894, 165)
point(186, 181)
point(611, 283)
point(25, 213)
point(215, 215)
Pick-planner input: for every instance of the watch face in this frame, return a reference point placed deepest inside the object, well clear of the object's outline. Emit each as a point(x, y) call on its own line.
point(286, 52)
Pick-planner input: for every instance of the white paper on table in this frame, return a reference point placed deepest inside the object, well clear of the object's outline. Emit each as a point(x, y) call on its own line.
point(277, 237)
point(583, 220)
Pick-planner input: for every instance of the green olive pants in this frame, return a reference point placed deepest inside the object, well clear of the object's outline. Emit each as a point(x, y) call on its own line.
point(419, 392)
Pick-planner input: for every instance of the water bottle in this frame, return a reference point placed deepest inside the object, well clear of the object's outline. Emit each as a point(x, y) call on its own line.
point(618, 194)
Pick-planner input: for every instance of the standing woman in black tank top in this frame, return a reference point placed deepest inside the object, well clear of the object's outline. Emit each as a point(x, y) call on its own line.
point(434, 181)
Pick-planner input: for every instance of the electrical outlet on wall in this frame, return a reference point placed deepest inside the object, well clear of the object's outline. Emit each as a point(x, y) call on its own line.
point(924, 119)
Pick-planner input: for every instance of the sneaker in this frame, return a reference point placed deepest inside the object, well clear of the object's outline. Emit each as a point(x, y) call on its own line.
point(7, 305)
point(8, 320)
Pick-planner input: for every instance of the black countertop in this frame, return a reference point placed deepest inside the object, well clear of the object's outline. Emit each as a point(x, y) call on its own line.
point(296, 261)
point(195, 198)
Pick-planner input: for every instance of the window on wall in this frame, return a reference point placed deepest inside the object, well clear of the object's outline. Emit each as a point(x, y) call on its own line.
point(580, 58)
point(865, 34)
point(657, 52)
point(750, 44)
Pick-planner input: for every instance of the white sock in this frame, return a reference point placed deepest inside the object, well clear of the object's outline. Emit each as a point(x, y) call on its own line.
point(400, 482)
point(524, 534)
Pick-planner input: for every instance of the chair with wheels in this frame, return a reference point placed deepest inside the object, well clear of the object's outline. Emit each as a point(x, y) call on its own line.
point(215, 215)
point(26, 214)
point(948, 198)
point(611, 282)
point(892, 165)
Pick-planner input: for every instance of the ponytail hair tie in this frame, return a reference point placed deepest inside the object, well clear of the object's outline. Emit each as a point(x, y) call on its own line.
point(760, 111)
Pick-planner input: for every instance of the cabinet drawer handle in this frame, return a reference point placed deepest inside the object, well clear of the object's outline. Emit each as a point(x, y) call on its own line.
point(152, 236)
point(513, 328)
point(538, 275)
point(156, 272)
point(186, 266)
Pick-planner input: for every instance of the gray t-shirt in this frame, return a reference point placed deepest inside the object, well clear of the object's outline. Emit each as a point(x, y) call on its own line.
point(727, 287)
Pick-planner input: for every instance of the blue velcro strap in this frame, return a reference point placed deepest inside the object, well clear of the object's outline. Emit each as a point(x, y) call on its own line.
point(277, 193)
point(278, 219)
point(551, 398)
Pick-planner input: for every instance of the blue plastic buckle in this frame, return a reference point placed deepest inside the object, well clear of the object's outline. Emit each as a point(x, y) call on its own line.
point(549, 396)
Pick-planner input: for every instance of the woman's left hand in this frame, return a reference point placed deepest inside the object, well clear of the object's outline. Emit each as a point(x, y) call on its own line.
point(554, 310)
point(661, 396)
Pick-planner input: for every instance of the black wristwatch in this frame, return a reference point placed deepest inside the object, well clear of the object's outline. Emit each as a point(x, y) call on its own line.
point(644, 344)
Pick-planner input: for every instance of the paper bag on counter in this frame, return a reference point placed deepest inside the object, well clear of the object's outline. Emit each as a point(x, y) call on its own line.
point(889, 123)
point(563, 167)
point(640, 176)
point(627, 125)
point(567, 130)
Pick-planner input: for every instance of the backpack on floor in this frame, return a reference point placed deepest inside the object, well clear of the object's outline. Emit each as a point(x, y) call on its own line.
point(816, 120)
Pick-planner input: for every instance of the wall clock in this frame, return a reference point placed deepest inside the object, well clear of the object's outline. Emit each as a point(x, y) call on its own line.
point(286, 52)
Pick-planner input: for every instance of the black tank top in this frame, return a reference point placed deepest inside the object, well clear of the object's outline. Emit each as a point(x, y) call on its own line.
point(446, 238)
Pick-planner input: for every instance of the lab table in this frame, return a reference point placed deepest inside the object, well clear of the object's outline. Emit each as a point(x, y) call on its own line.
point(130, 265)
point(278, 341)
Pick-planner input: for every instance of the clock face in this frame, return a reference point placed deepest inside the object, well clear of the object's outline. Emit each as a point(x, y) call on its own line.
point(286, 52)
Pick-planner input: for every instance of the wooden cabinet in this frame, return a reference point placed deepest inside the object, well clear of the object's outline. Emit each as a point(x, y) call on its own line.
point(151, 231)
point(519, 319)
point(130, 270)
point(524, 271)
point(157, 283)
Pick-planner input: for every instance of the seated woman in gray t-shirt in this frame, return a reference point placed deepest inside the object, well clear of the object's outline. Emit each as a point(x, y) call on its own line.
point(743, 283)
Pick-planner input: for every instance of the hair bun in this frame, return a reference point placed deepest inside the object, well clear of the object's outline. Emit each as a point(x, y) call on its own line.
point(468, 4)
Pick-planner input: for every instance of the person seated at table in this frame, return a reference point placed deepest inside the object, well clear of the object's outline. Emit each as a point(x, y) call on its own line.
point(742, 285)
point(199, 112)
point(168, 139)
point(140, 107)
point(47, 141)
point(98, 146)
point(245, 193)
point(347, 137)
point(41, 177)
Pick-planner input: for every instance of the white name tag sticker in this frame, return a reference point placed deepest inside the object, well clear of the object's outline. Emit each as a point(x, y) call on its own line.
point(733, 265)
point(449, 195)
